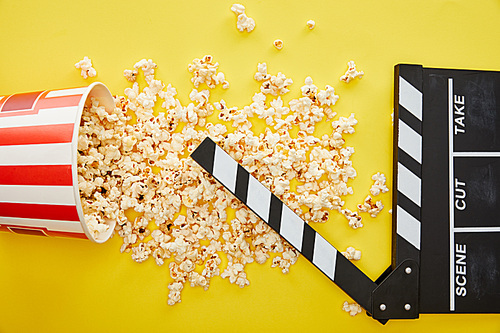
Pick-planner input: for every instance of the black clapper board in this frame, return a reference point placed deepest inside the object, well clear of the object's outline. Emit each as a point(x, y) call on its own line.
point(414, 283)
point(447, 175)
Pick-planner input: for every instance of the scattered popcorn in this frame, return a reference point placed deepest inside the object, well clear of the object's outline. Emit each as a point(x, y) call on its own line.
point(243, 22)
point(379, 184)
point(183, 220)
point(311, 24)
point(368, 206)
point(278, 44)
point(351, 73)
point(352, 254)
point(86, 68)
point(351, 308)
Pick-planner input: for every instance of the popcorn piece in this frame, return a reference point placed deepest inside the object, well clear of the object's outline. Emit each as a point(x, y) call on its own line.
point(368, 206)
point(278, 44)
point(235, 273)
point(271, 84)
point(311, 24)
point(238, 9)
point(351, 73)
point(86, 68)
point(352, 254)
point(353, 218)
point(174, 295)
point(290, 256)
point(147, 66)
point(351, 308)
point(379, 184)
point(205, 71)
point(243, 22)
point(130, 75)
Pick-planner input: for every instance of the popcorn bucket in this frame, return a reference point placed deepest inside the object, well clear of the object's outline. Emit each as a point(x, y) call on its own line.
point(39, 192)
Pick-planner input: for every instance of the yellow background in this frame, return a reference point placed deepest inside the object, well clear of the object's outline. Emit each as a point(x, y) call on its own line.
point(65, 285)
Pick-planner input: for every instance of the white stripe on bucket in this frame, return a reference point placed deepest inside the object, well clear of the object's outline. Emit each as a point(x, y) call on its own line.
point(49, 195)
point(67, 92)
point(65, 226)
point(46, 154)
point(52, 116)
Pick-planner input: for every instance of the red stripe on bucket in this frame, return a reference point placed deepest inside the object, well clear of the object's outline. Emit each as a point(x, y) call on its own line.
point(40, 231)
point(24, 101)
point(31, 135)
point(36, 211)
point(43, 175)
point(58, 102)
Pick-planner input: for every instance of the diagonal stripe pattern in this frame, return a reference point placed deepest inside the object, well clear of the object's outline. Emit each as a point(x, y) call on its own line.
point(408, 165)
point(283, 220)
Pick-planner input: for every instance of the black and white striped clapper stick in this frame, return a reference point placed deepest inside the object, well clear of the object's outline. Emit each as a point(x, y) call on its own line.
point(408, 162)
point(284, 221)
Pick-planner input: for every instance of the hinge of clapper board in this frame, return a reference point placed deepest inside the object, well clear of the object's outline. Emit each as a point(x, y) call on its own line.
point(393, 296)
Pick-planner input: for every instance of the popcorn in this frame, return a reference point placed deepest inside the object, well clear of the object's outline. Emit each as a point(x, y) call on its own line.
point(183, 213)
point(290, 256)
point(86, 68)
point(238, 9)
point(271, 84)
point(235, 273)
point(311, 24)
point(174, 295)
point(278, 44)
point(353, 218)
point(351, 73)
point(379, 184)
point(368, 206)
point(352, 254)
point(147, 66)
point(205, 71)
point(130, 75)
point(243, 22)
point(351, 308)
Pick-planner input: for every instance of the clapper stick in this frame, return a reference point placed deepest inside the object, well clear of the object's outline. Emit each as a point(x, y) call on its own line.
point(308, 242)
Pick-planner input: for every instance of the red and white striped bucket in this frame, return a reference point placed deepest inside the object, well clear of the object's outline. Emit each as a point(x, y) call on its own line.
point(39, 192)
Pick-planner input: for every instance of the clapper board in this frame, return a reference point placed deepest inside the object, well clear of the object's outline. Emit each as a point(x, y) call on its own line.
point(446, 229)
